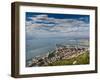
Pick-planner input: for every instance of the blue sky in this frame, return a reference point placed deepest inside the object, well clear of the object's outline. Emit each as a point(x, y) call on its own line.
point(56, 25)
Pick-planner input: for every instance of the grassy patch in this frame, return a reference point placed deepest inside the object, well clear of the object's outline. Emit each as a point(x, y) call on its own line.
point(81, 59)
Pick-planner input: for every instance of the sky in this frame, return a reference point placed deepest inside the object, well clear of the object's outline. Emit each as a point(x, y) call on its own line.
point(45, 25)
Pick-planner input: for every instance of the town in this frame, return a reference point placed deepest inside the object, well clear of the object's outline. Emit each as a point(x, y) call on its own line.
point(60, 53)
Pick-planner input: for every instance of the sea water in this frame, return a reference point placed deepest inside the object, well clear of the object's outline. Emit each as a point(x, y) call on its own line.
point(41, 46)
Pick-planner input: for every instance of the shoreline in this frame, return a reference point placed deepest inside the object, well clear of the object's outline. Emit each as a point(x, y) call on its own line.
point(59, 53)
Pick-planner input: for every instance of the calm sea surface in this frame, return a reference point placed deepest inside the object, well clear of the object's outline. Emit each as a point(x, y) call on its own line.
point(41, 46)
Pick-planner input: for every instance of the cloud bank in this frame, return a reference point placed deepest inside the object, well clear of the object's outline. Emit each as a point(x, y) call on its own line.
point(44, 26)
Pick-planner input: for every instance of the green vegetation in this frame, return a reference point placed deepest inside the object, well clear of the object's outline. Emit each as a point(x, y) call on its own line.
point(51, 54)
point(81, 59)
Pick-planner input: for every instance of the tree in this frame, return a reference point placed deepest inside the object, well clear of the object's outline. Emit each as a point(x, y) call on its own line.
point(52, 54)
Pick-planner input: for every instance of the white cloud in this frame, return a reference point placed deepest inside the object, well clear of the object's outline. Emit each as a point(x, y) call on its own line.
point(42, 24)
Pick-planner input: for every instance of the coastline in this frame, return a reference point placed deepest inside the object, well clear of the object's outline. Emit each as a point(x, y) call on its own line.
point(60, 53)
